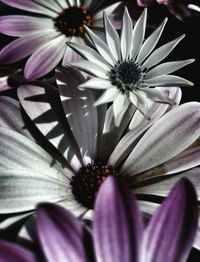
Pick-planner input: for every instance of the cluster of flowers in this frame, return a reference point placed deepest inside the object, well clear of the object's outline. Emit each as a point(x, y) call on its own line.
point(95, 117)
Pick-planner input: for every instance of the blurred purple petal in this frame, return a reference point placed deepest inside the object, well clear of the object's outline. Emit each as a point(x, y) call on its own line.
point(117, 223)
point(61, 234)
point(171, 232)
point(11, 252)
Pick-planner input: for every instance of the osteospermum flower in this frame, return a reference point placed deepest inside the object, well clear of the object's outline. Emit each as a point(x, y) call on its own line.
point(118, 232)
point(125, 68)
point(82, 146)
point(43, 34)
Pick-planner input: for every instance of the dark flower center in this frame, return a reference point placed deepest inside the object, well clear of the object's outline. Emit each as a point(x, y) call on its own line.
point(87, 181)
point(71, 21)
point(126, 75)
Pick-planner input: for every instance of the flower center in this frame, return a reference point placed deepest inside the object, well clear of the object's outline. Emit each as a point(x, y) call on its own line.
point(125, 76)
point(71, 21)
point(87, 181)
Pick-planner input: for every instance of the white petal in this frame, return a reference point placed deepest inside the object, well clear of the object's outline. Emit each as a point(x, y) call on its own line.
point(41, 105)
point(126, 35)
point(160, 53)
point(90, 68)
point(19, 152)
point(138, 34)
point(163, 187)
point(150, 42)
point(108, 10)
point(168, 137)
point(112, 39)
point(100, 46)
point(140, 102)
point(96, 83)
point(90, 54)
point(156, 95)
point(21, 190)
point(119, 105)
point(167, 68)
point(108, 96)
point(167, 80)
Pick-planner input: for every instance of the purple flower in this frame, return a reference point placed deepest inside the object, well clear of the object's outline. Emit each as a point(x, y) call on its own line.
point(118, 232)
point(43, 34)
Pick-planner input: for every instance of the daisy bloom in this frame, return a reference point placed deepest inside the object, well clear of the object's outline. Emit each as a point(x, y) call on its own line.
point(127, 67)
point(118, 232)
point(81, 146)
point(43, 34)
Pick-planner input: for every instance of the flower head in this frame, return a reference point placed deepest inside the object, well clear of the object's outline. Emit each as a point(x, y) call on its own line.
point(127, 68)
point(79, 145)
point(43, 34)
point(118, 232)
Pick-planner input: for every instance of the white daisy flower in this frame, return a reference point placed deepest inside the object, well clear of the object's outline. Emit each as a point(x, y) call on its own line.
point(126, 67)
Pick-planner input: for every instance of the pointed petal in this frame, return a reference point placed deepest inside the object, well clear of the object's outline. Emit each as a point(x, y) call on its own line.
point(101, 46)
point(175, 131)
point(118, 224)
point(90, 54)
point(160, 53)
point(171, 241)
point(126, 35)
point(119, 104)
point(138, 34)
point(112, 39)
point(167, 80)
point(90, 68)
point(67, 231)
point(150, 42)
point(45, 58)
point(96, 83)
point(12, 252)
point(167, 68)
point(79, 110)
point(108, 96)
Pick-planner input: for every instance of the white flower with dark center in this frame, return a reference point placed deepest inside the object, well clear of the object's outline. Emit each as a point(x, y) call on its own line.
point(43, 33)
point(80, 146)
point(126, 67)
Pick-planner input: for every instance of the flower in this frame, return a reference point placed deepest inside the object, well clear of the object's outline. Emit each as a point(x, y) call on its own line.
point(43, 33)
point(125, 69)
point(118, 232)
point(82, 146)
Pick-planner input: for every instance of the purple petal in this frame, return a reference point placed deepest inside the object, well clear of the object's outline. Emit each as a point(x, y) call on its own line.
point(117, 223)
point(25, 46)
point(171, 232)
point(28, 5)
point(60, 233)
point(20, 25)
point(45, 58)
point(11, 252)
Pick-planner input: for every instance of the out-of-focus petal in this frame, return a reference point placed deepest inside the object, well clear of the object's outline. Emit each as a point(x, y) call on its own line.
point(117, 224)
